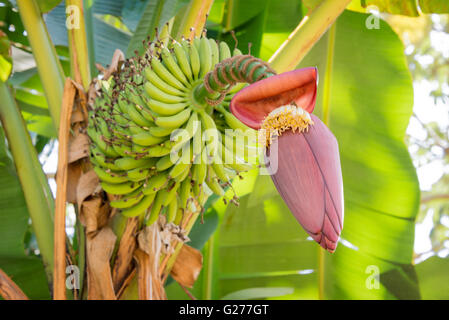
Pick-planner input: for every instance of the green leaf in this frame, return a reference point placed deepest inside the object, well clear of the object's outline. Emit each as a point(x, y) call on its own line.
point(12, 24)
point(32, 102)
point(132, 11)
point(433, 278)
point(156, 14)
point(402, 7)
point(258, 293)
point(260, 244)
point(434, 6)
point(282, 18)
point(202, 231)
point(5, 59)
point(26, 271)
point(239, 12)
point(46, 5)
point(106, 37)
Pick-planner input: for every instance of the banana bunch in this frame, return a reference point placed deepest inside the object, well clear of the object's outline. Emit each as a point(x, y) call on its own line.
point(154, 148)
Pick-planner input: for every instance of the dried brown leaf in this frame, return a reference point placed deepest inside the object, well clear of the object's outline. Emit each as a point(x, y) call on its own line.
point(99, 250)
point(148, 257)
point(78, 147)
point(116, 59)
point(89, 184)
point(123, 260)
point(9, 290)
point(187, 266)
point(74, 172)
point(94, 214)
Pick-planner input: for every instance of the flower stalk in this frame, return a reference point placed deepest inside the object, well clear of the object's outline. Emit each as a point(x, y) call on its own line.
point(306, 34)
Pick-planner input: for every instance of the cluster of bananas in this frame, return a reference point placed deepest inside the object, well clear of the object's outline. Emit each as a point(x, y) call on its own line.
point(154, 148)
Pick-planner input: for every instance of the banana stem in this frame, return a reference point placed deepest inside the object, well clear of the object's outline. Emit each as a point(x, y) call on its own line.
point(194, 18)
point(79, 56)
point(35, 187)
point(48, 66)
point(306, 34)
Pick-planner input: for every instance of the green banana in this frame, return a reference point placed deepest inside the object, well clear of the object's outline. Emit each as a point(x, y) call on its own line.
point(171, 193)
point(172, 66)
point(120, 188)
point(146, 139)
point(127, 201)
point(182, 163)
point(174, 121)
point(140, 207)
point(139, 174)
point(166, 109)
point(200, 171)
point(205, 57)
point(155, 209)
point(184, 192)
point(231, 120)
point(165, 75)
point(212, 182)
point(194, 61)
point(210, 133)
point(160, 132)
point(189, 131)
point(105, 148)
point(224, 50)
point(214, 51)
point(151, 76)
point(157, 94)
point(128, 163)
point(103, 160)
point(172, 209)
point(134, 114)
point(110, 177)
point(183, 60)
point(155, 183)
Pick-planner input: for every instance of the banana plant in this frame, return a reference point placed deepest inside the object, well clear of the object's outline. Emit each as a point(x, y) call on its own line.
point(156, 123)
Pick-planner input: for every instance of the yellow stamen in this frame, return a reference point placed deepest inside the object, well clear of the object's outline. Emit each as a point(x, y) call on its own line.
point(289, 117)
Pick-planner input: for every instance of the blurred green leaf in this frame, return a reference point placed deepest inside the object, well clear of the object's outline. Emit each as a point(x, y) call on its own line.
point(260, 244)
point(5, 58)
point(203, 230)
point(258, 293)
point(433, 278)
point(12, 23)
point(238, 12)
point(156, 14)
point(26, 271)
point(132, 11)
point(106, 37)
point(282, 18)
point(402, 7)
point(434, 6)
point(46, 5)
point(402, 282)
